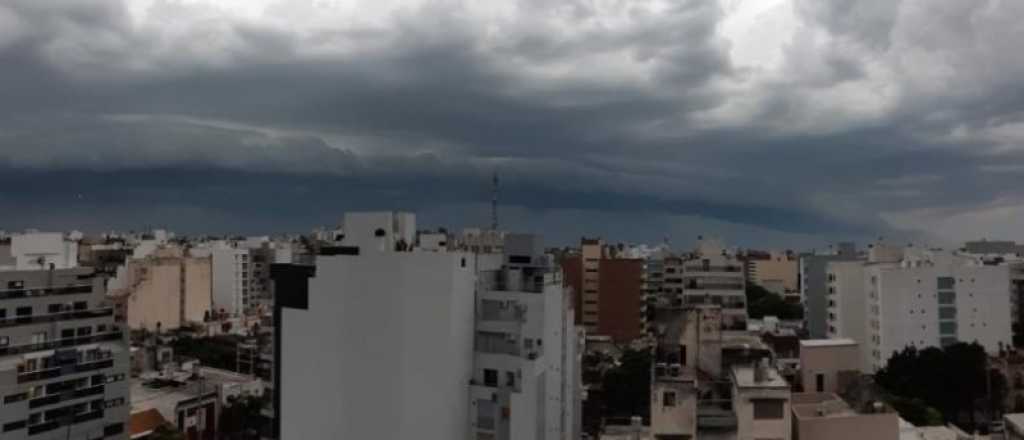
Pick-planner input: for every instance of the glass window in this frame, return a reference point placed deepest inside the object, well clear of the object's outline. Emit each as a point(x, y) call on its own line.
point(668, 398)
point(946, 283)
point(947, 328)
point(947, 297)
point(768, 409)
point(490, 377)
point(947, 312)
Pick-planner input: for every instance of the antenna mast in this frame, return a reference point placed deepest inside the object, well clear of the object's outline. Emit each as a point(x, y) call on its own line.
point(494, 201)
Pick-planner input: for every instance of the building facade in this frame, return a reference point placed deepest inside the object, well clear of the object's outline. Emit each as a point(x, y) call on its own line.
point(608, 293)
point(813, 283)
point(166, 289)
point(935, 299)
point(63, 360)
point(712, 275)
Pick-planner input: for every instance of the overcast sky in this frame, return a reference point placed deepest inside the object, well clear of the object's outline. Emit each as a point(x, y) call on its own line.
point(776, 123)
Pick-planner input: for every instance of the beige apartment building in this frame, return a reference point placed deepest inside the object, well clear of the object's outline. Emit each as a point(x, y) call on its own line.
point(169, 288)
point(825, 416)
point(775, 271)
point(827, 365)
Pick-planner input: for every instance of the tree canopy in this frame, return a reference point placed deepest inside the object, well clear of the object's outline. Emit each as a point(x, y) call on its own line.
point(762, 302)
point(952, 380)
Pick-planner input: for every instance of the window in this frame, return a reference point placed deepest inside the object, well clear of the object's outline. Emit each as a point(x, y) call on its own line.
point(3, 313)
point(947, 297)
point(490, 377)
point(668, 399)
point(24, 311)
point(81, 305)
point(947, 312)
point(5, 341)
point(946, 283)
point(16, 284)
point(510, 379)
point(767, 409)
point(947, 328)
point(55, 308)
point(84, 331)
point(379, 233)
point(14, 426)
point(819, 383)
point(67, 333)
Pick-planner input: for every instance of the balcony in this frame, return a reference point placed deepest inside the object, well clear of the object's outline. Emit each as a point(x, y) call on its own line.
point(45, 291)
point(56, 317)
point(57, 343)
point(702, 268)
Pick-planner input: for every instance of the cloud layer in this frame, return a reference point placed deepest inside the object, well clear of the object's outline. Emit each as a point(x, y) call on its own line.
point(899, 118)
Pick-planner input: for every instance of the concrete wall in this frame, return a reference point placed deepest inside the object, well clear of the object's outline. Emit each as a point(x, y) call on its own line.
point(198, 288)
point(855, 427)
point(829, 361)
point(680, 419)
point(40, 250)
point(157, 298)
point(747, 428)
point(384, 349)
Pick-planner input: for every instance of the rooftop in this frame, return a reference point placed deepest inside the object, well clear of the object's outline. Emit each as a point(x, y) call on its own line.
point(145, 422)
point(829, 405)
point(744, 377)
point(827, 342)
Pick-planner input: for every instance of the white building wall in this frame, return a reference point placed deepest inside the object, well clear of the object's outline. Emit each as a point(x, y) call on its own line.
point(385, 349)
point(848, 306)
point(230, 278)
point(40, 250)
point(908, 303)
point(378, 231)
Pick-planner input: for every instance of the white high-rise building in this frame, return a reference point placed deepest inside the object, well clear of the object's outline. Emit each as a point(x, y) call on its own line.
point(230, 278)
point(924, 298)
point(377, 340)
point(526, 363)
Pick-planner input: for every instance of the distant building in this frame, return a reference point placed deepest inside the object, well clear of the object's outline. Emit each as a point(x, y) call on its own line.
point(608, 292)
point(63, 360)
point(814, 286)
point(41, 251)
point(713, 275)
point(775, 271)
point(168, 289)
point(825, 416)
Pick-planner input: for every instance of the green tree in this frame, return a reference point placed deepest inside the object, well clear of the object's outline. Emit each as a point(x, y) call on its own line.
point(762, 302)
point(951, 379)
point(627, 386)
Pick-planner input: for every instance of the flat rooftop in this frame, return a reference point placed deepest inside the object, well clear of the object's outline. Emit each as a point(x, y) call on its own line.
point(744, 378)
point(827, 342)
point(820, 405)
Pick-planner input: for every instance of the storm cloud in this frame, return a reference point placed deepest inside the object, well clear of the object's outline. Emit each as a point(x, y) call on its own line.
point(781, 123)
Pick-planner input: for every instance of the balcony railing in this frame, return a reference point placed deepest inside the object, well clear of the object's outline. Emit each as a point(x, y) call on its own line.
point(57, 343)
point(702, 268)
point(56, 317)
point(45, 291)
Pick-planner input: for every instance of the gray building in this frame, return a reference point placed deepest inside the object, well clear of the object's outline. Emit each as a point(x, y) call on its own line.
point(814, 287)
point(63, 360)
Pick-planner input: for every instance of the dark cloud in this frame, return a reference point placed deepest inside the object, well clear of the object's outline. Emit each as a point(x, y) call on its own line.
point(599, 109)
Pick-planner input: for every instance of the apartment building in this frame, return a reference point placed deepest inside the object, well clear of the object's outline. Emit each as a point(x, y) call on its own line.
point(608, 292)
point(761, 403)
point(848, 305)
point(674, 387)
point(813, 285)
point(167, 289)
point(40, 250)
point(63, 360)
point(775, 271)
point(935, 298)
point(423, 344)
point(713, 275)
point(526, 367)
